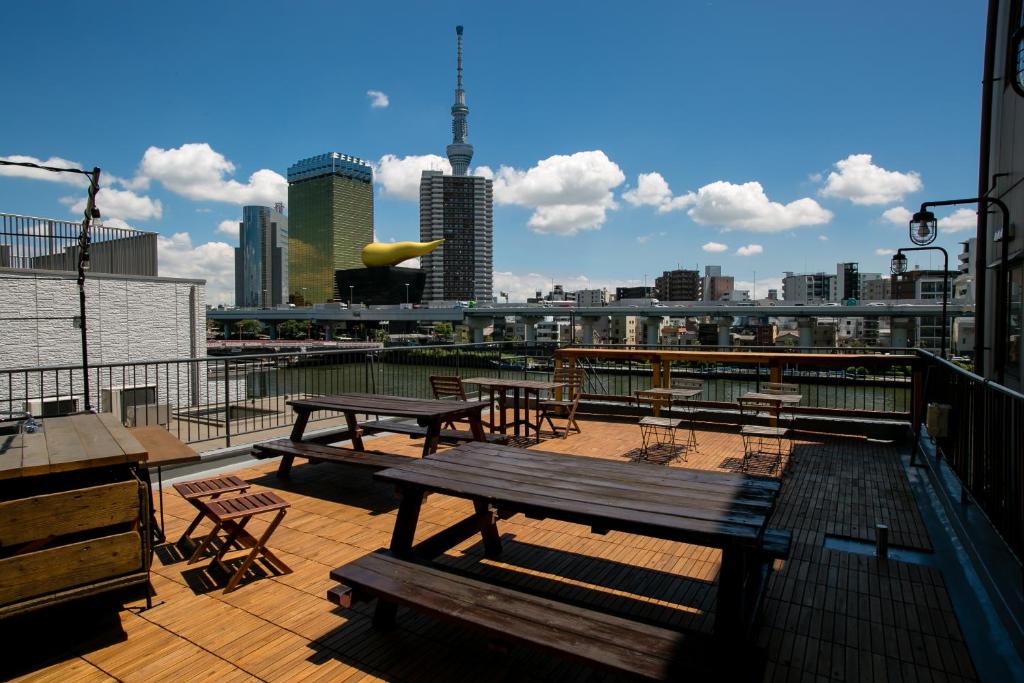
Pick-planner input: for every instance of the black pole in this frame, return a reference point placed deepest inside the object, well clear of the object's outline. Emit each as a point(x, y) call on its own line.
point(984, 151)
point(945, 288)
point(83, 263)
point(999, 345)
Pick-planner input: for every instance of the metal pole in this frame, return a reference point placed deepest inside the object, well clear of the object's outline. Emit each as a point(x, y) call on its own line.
point(945, 289)
point(83, 263)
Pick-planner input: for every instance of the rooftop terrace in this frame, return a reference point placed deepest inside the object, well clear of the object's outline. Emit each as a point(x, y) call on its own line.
point(829, 614)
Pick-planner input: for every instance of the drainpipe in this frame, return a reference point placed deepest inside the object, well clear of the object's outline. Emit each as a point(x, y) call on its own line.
point(985, 148)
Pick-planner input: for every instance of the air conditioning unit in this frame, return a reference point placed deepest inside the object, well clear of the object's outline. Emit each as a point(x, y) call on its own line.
point(118, 400)
point(149, 414)
point(937, 420)
point(53, 406)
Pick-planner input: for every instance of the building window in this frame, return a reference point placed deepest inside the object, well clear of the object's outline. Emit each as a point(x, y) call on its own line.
point(1015, 58)
point(1014, 315)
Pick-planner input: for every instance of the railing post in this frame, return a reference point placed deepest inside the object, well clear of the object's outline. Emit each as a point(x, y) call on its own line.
point(227, 403)
point(917, 398)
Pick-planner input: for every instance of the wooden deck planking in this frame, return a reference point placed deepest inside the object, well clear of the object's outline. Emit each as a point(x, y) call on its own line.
point(828, 614)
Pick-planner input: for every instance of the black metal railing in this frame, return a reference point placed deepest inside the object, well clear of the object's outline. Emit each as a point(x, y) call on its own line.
point(205, 399)
point(981, 438)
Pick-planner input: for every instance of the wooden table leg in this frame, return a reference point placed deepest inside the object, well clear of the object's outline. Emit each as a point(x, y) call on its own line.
point(353, 429)
point(476, 425)
point(487, 521)
point(298, 429)
point(516, 420)
point(433, 437)
point(502, 405)
point(401, 547)
point(729, 612)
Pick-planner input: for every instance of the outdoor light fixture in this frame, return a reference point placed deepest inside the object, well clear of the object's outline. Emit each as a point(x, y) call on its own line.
point(923, 228)
point(92, 214)
point(898, 266)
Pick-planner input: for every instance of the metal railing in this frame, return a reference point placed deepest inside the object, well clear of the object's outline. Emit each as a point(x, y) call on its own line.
point(982, 442)
point(873, 383)
point(27, 242)
point(206, 399)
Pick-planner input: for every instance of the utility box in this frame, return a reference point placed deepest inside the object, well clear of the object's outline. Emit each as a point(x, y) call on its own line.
point(937, 420)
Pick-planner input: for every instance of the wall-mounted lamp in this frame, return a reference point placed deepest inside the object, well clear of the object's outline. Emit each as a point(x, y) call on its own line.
point(923, 228)
point(898, 265)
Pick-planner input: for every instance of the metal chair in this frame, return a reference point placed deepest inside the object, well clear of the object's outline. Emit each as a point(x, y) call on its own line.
point(758, 438)
point(689, 409)
point(572, 378)
point(657, 429)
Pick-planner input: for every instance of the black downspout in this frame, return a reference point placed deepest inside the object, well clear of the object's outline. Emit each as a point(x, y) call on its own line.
point(985, 145)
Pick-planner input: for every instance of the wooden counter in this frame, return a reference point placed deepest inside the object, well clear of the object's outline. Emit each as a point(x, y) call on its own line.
point(74, 514)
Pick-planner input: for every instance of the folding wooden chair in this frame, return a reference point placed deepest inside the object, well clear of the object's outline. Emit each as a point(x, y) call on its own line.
point(657, 429)
point(211, 488)
point(448, 387)
point(232, 514)
point(572, 378)
point(761, 439)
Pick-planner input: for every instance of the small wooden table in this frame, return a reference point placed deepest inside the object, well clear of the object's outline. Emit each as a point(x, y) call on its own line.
point(781, 399)
point(497, 385)
point(164, 450)
point(715, 509)
point(428, 412)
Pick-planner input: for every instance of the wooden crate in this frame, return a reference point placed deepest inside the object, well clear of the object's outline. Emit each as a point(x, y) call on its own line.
point(56, 541)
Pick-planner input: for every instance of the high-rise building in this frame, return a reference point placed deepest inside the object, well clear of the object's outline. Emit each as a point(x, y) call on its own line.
point(637, 292)
point(678, 285)
point(808, 288)
point(261, 258)
point(330, 216)
point(459, 209)
point(591, 297)
point(715, 285)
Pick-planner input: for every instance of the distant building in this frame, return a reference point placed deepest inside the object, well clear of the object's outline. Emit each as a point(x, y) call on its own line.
point(926, 284)
point(459, 209)
point(715, 285)
point(678, 285)
point(773, 295)
point(879, 289)
point(635, 293)
point(963, 285)
point(707, 334)
point(623, 329)
point(592, 297)
point(261, 258)
point(808, 288)
point(330, 216)
point(736, 295)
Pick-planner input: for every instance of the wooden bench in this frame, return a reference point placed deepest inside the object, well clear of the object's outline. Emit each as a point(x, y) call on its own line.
point(314, 452)
point(415, 430)
point(514, 617)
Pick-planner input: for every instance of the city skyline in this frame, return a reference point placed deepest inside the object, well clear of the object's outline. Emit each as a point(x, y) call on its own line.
point(673, 156)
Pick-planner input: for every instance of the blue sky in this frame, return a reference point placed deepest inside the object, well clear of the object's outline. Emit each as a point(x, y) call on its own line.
point(624, 138)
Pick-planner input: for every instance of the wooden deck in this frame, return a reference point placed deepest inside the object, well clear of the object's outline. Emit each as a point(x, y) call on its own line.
point(829, 615)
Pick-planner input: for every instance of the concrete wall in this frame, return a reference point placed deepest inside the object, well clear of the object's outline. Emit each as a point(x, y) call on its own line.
point(129, 319)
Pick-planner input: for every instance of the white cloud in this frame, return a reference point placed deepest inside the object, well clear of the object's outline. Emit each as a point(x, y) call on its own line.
point(861, 182)
point(715, 247)
point(644, 239)
point(959, 220)
point(652, 190)
point(400, 176)
point(229, 228)
point(378, 100)
point(197, 171)
point(39, 174)
point(123, 204)
point(747, 207)
point(885, 252)
point(569, 193)
point(823, 238)
point(212, 261)
point(897, 215)
point(750, 250)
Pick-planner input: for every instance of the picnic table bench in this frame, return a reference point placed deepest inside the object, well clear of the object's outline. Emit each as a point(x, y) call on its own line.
point(714, 509)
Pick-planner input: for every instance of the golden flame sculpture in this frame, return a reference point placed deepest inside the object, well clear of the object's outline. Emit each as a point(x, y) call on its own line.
point(393, 253)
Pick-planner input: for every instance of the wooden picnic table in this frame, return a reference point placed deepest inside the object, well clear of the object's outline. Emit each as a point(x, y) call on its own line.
point(714, 509)
point(428, 413)
point(519, 388)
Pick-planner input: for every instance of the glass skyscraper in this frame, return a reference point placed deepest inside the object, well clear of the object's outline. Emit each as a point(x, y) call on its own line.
point(261, 258)
point(330, 212)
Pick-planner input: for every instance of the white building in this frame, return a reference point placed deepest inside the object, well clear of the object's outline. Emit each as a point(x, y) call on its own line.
point(592, 297)
point(808, 288)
